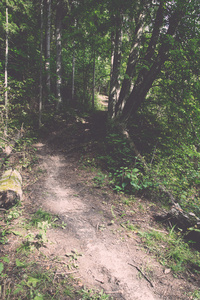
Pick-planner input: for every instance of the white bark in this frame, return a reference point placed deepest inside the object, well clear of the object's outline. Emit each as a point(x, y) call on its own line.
point(41, 65)
point(93, 81)
point(73, 71)
point(58, 54)
point(48, 48)
point(6, 72)
point(115, 67)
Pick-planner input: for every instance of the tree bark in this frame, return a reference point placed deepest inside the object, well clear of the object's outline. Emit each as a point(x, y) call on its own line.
point(48, 49)
point(41, 61)
point(73, 72)
point(59, 53)
point(115, 67)
point(6, 73)
point(131, 65)
point(130, 102)
point(93, 79)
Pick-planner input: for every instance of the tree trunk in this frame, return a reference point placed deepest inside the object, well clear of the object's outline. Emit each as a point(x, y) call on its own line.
point(130, 102)
point(41, 61)
point(134, 54)
point(115, 68)
point(58, 53)
point(73, 72)
point(93, 80)
point(48, 49)
point(6, 73)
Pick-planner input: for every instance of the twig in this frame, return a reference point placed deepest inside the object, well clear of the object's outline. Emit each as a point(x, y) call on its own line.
point(66, 273)
point(142, 274)
point(102, 282)
point(4, 140)
point(113, 292)
point(60, 262)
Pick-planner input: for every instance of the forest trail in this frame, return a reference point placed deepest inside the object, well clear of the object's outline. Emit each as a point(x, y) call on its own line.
point(106, 255)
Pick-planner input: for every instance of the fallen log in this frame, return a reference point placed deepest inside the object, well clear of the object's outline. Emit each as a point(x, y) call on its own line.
point(10, 188)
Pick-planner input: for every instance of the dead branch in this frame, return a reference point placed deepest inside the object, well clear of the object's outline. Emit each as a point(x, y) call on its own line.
point(151, 284)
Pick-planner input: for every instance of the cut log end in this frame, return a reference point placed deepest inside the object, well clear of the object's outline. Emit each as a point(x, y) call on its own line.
point(8, 199)
point(10, 188)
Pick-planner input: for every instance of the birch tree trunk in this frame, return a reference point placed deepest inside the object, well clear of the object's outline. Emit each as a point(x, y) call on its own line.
point(48, 49)
point(41, 64)
point(6, 73)
point(58, 53)
point(73, 72)
point(115, 68)
point(93, 80)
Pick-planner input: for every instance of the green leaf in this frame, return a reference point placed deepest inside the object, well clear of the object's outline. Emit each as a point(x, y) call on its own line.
point(38, 297)
point(5, 259)
point(16, 233)
point(33, 281)
point(20, 264)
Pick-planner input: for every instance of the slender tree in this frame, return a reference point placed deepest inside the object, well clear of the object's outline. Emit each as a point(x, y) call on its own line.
point(73, 71)
point(48, 48)
point(59, 52)
point(6, 71)
point(116, 39)
point(93, 78)
point(41, 60)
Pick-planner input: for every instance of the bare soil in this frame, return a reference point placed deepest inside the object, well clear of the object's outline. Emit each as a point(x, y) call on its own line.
point(107, 255)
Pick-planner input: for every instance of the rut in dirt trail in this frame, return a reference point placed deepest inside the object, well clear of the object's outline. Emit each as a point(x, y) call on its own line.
point(107, 257)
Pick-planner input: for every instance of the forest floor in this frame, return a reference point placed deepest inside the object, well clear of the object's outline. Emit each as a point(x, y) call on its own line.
point(95, 247)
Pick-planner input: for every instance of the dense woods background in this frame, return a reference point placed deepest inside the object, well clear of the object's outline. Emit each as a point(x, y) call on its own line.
point(57, 56)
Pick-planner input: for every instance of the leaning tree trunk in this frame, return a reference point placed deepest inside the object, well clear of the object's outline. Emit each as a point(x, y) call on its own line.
point(134, 54)
point(130, 103)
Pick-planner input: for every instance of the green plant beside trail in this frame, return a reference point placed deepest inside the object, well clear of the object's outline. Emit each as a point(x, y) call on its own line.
point(171, 250)
point(177, 168)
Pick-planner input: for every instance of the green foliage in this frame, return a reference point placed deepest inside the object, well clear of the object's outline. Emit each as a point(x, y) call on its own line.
point(171, 250)
point(92, 294)
point(195, 295)
point(42, 219)
point(99, 179)
point(130, 180)
point(13, 213)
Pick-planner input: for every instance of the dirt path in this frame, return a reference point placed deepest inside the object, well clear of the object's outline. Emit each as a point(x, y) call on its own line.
point(107, 256)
